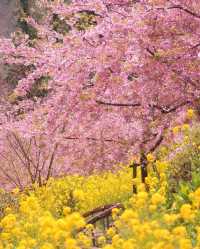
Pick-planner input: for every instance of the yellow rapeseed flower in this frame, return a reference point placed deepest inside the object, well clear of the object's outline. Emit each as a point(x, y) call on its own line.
point(129, 214)
point(78, 195)
point(66, 210)
point(8, 221)
point(176, 129)
point(157, 199)
point(170, 218)
point(150, 157)
point(128, 245)
point(111, 232)
point(47, 246)
point(179, 231)
point(190, 113)
point(71, 243)
point(185, 127)
point(152, 208)
point(101, 240)
point(161, 166)
point(161, 234)
point(186, 212)
point(185, 243)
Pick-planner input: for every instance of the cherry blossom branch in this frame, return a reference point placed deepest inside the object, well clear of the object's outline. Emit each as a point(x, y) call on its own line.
point(185, 10)
point(168, 109)
point(94, 139)
point(163, 109)
point(100, 102)
point(157, 142)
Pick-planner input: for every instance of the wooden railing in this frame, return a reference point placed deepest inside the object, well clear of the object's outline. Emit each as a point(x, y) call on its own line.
point(103, 215)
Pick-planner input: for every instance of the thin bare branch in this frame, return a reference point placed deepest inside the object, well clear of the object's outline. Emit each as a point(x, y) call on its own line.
point(16, 152)
point(51, 162)
point(29, 161)
point(185, 10)
point(95, 139)
point(8, 176)
point(100, 102)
